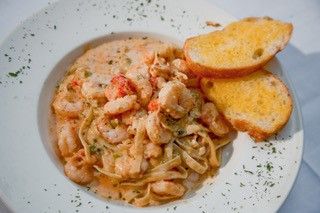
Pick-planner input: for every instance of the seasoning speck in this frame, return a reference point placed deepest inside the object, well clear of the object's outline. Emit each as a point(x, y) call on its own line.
point(213, 24)
point(247, 171)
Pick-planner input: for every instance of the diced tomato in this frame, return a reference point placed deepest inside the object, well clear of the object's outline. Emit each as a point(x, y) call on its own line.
point(120, 86)
point(75, 83)
point(153, 105)
point(153, 82)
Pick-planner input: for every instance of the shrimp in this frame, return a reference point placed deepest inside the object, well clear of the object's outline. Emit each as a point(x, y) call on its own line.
point(132, 129)
point(176, 99)
point(130, 117)
point(68, 105)
point(68, 142)
point(157, 82)
point(140, 77)
point(94, 85)
point(181, 65)
point(152, 150)
point(144, 165)
point(160, 68)
point(78, 169)
point(183, 74)
point(157, 134)
point(120, 105)
point(111, 130)
point(119, 86)
point(122, 165)
point(153, 105)
point(168, 188)
point(211, 117)
point(125, 167)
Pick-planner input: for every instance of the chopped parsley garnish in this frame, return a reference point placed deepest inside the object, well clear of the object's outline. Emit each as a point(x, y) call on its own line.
point(87, 74)
point(116, 155)
point(94, 149)
point(70, 89)
point(13, 74)
point(128, 60)
point(269, 167)
point(247, 171)
point(180, 132)
point(114, 123)
point(139, 77)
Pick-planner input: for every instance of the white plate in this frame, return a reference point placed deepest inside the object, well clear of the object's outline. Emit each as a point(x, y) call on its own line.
point(31, 178)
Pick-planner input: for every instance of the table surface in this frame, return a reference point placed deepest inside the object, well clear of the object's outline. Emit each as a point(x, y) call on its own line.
point(301, 59)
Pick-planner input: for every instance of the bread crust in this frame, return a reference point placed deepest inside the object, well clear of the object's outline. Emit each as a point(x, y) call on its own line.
point(255, 132)
point(213, 72)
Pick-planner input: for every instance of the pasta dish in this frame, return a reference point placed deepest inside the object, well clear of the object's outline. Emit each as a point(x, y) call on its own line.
point(132, 124)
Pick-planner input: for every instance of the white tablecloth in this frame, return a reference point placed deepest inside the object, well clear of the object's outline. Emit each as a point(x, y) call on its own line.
point(301, 58)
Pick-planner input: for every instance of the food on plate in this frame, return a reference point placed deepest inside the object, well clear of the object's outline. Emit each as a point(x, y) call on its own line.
point(258, 103)
point(241, 48)
point(135, 122)
point(132, 123)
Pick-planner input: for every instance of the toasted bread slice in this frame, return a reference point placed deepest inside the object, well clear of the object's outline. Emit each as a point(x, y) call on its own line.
point(239, 49)
point(258, 103)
